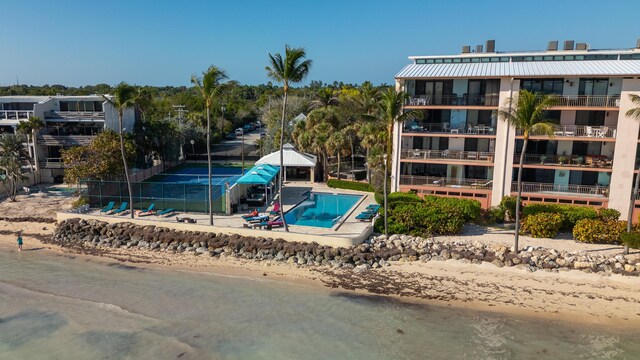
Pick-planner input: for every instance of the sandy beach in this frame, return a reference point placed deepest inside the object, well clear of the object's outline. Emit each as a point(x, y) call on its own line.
point(574, 296)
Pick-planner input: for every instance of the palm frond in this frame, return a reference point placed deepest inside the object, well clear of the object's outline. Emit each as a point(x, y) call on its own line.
point(635, 112)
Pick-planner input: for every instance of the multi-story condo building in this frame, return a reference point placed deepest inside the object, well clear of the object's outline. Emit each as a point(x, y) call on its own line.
point(69, 121)
point(457, 146)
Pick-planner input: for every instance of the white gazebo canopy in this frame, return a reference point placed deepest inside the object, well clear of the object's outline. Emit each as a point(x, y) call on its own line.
point(291, 158)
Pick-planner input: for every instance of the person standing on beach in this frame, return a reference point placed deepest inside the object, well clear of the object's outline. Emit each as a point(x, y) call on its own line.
point(20, 240)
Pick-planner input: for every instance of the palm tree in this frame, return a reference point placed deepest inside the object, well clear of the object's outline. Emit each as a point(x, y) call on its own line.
point(367, 102)
point(325, 97)
point(124, 97)
point(390, 108)
point(30, 128)
point(336, 144)
point(12, 155)
point(528, 117)
point(635, 114)
point(292, 69)
point(210, 86)
point(370, 136)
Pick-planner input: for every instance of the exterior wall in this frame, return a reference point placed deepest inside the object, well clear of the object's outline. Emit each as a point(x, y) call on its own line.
point(504, 145)
point(333, 241)
point(625, 151)
point(111, 118)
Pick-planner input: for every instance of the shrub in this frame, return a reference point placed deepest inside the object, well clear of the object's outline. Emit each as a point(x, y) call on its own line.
point(349, 185)
point(543, 225)
point(599, 231)
point(80, 201)
point(632, 240)
point(572, 214)
point(608, 214)
point(469, 208)
point(495, 215)
point(398, 197)
point(422, 219)
point(508, 205)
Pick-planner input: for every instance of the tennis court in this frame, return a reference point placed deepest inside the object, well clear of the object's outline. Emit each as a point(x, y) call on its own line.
point(183, 188)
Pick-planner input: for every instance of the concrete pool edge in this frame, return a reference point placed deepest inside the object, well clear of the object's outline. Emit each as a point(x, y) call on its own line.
point(333, 240)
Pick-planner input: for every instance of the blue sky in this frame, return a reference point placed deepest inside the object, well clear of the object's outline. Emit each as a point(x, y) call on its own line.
point(163, 42)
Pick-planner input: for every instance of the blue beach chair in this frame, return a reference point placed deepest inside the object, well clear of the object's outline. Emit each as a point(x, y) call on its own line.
point(147, 211)
point(122, 208)
point(259, 218)
point(109, 207)
point(166, 211)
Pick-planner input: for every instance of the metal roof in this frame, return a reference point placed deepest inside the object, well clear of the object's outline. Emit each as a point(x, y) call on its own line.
point(523, 69)
point(291, 157)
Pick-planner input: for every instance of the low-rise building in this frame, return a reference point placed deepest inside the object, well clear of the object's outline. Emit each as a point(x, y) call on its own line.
point(69, 121)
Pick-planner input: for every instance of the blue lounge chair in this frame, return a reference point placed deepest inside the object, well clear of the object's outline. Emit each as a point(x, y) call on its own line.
point(122, 208)
point(109, 207)
point(258, 218)
point(147, 211)
point(166, 211)
point(365, 216)
point(373, 208)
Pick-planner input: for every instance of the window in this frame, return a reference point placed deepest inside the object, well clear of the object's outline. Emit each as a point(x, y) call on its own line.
point(590, 118)
point(545, 86)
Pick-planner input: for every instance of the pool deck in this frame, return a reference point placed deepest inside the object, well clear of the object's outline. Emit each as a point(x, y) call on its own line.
point(347, 232)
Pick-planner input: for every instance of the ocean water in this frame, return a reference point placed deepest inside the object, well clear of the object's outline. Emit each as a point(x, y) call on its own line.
point(65, 307)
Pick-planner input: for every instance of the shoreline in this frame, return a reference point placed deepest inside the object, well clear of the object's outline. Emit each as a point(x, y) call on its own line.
point(573, 296)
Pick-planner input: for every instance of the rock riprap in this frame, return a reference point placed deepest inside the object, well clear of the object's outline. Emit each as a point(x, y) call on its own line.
point(377, 252)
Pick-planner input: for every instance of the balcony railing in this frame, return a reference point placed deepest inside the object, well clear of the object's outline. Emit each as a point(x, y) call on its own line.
point(445, 155)
point(446, 182)
point(15, 114)
point(446, 128)
point(602, 132)
point(74, 115)
point(454, 100)
point(599, 161)
point(560, 189)
point(586, 101)
point(65, 140)
point(52, 163)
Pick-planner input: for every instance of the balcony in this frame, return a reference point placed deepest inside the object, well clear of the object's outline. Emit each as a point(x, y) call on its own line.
point(416, 180)
point(586, 101)
point(568, 162)
point(52, 163)
point(74, 116)
point(448, 156)
point(562, 190)
point(15, 114)
point(65, 140)
point(445, 128)
point(454, 100)
point(581, 131)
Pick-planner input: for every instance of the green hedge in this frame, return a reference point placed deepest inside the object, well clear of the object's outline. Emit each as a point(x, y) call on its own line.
point(632, 240)
point(433, 215)
point(349, 185)
point(508, 205)
point(572, 214)
point(469, 208)
point(543, 225)
point(398, 197)
point(422, 219)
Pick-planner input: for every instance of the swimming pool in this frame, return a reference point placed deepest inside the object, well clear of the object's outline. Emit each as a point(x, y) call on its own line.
point(321, 209)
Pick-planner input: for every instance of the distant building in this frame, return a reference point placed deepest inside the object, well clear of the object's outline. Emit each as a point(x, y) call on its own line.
point(457, 146)
point(69, 121)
